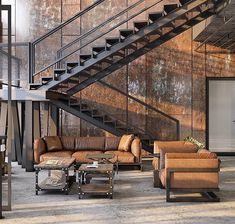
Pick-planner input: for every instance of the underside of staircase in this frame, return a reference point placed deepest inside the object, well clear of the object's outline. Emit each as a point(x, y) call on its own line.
point(73, 76)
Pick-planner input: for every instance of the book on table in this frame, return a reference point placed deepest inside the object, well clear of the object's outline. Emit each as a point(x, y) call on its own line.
point(53, 162)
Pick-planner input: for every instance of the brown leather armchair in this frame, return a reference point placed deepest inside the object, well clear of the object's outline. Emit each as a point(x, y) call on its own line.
point(181, 167)
point(190, 173)
point(163, 147)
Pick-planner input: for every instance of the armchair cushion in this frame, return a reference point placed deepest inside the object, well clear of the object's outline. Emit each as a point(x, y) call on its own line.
point(125, 143)
point(187, 150)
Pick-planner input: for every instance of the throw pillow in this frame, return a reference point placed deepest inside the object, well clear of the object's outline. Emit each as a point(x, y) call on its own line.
point(53, 143)
point(125, 143)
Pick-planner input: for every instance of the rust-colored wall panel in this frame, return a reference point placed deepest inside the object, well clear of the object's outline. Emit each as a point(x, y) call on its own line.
point(171, 77)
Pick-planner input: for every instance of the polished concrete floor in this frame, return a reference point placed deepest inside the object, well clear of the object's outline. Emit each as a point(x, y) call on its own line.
point(135, 201)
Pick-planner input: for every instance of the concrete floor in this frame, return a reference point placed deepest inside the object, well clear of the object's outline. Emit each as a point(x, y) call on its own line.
point(135, 201)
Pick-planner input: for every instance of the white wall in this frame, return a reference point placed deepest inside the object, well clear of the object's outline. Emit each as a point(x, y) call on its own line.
point(222, 115)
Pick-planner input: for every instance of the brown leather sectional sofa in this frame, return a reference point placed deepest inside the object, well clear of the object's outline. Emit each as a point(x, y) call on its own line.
point(126, 151)
point(182, 167)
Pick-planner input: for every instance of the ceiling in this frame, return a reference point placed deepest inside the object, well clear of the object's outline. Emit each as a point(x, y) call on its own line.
point(221, 30)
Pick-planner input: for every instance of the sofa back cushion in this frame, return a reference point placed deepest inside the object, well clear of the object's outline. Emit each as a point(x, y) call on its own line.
point(125, 143)
point(111, 143)
point(53, 143)
point(89, 143)
point(68, 142)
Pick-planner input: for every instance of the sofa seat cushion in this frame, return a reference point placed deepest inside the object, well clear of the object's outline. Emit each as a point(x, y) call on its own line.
point(50, 155)
point(80, 156)
point(125, 143)
point(53, 143)
point(121, 156)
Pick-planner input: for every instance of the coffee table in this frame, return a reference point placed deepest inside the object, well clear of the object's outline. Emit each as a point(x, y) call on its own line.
point(104, 187)
point(62, 164)
point(103, 159)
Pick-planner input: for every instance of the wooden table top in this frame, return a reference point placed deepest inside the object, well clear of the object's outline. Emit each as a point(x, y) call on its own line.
point(56, 162)
point(102, 168)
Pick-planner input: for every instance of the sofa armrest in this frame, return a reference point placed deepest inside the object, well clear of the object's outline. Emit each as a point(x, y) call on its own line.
point(136, 149)
point(39, 149)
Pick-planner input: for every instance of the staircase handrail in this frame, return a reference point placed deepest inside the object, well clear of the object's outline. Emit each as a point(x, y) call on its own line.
point(114, 27)
point(49, 33)
point(97, 27)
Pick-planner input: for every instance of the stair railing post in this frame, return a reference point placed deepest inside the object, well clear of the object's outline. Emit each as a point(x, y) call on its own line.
point(30, 61)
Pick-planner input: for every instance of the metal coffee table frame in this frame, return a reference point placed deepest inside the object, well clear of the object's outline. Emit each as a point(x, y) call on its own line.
point(62, 167)
point(104, 171)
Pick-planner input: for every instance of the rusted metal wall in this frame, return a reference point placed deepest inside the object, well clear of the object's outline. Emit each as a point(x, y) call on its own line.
point(170, 77)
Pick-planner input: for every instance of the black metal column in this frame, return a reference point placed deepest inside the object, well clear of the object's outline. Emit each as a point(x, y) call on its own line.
point(28, 157)
point(17, 137)
point(1, 165)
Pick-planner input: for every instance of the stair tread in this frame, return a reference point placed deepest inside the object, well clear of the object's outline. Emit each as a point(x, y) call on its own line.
point(140, 24)
point(98, 48)
point(126, 32)
point(46, 77)
point(59, 70)
point(112, 40)
point(168, 8)
point(84, 57)
point(72, 64)
point(155, 15)
point(183, 2)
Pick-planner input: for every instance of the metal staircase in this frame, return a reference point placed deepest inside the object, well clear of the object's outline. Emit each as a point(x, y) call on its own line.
point(67, 77)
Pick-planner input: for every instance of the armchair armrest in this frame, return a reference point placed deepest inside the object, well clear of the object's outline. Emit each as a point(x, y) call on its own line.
point(39, 149)
point(191, 171)
point(191, 160)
